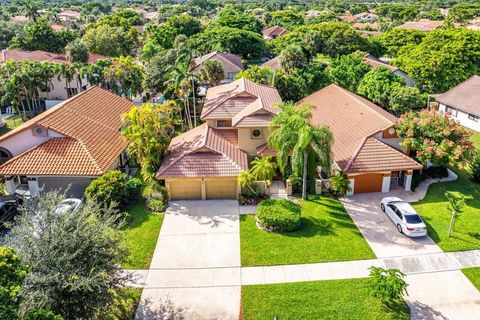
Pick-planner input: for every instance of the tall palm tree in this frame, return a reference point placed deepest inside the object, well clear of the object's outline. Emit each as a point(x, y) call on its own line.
point(264, 169)
point(293, 135)
point(211, 73)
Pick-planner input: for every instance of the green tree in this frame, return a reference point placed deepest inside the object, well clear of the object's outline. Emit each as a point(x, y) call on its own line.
point(293, 135)
point(395, 39)
point(286, 18)
point(123, 18)
point(406, 99)
point(377, 84)
point(42, 314)
point(148, 130)
point(30, 9)
point(8, 30)
point(387, 285)
point(110, 188)
point(292, 58)
point(40, 36)
point(436, 138)
point(125, 77)
point(347, 71)
point(211, 72)
point(184, 24)
point(110, 41)
point(74, 258)
point(76, 51)
point(247, 180)
point(12, 275)
point(340, 184)
point(455, 205)
point(264, 169)
point(232, 18)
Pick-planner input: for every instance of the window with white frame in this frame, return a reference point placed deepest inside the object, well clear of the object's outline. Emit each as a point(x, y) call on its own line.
point(473, 117)
point(452, 111)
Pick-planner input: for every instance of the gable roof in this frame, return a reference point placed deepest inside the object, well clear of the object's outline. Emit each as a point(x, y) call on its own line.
point(374, 62)
point(422, 25)
point(240, 98)
point(273, 63)
point(233, 59)
point(465, 96)
point(202, 152)
point(274, 31)
point(90, 123)
point(350, 117)
point(41, 56)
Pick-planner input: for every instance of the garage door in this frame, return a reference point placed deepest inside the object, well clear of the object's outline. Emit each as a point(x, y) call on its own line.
point(369, 182)
point(221, 188)
point(186, 189)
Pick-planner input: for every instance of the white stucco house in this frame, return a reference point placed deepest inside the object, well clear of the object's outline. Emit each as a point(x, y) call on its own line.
point(462, 102)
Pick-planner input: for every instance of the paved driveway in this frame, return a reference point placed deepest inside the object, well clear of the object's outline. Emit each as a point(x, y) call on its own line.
point(195, 270)
point(380, 232)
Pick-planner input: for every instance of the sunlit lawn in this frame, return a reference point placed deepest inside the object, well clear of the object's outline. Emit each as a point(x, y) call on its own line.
point(476, 139)
point(11, 123)
point(141, 233)
point(433, 209)
point(333, 299)
point(327, 233)
point(473, 274)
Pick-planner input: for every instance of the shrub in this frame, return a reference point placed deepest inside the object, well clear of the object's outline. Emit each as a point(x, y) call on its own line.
point(387, 285)
point(41, 314)
point(134, 189)
point(476, 168)
point(418, 177)
point(279, 215)
point(113, 186)
point(156, 205)
point(340, 184)
point(436, 172)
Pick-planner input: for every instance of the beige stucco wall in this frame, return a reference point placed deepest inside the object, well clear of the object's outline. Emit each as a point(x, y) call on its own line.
point(249, 144)
point(25, 140)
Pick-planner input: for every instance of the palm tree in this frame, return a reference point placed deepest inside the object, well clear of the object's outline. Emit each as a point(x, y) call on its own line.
point(246, 180)
point(293, 135)
point(263, 169)
point(30, 9)
point(211, 73)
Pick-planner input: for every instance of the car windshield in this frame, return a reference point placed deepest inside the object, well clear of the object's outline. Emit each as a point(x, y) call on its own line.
point(413, 218)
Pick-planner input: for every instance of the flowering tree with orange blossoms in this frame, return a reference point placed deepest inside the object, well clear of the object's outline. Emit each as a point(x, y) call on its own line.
point(436, 138)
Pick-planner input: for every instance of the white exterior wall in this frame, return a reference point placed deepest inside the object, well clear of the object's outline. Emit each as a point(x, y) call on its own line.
point(462, 117)
point(59, 92)
point(25, 140)
point(386, 183)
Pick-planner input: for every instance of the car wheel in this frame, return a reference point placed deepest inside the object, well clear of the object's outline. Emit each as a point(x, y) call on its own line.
point(383, 207)
point(399, 228)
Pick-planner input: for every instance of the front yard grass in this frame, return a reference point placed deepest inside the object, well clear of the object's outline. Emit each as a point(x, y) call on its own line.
point(327, 234)
point(473, 274)
point(141, 234)
point(476, 139)
point(434, 211)
point(11, 123)
point(332, 299)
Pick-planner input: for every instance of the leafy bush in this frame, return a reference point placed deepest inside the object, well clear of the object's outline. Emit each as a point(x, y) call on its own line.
point(113, 186)
point(476, 168)
point(41, 314)
point(156, 205)
point(436, 172)
point(387, 285)
point(340, 184)
point(12, 275)
point(279, 215)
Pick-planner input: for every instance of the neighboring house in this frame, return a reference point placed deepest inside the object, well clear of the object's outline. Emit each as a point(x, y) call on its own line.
point(231, 63)
point(463, 103)
point(361, 17)
point(204, 163)
point(59, 88)
point(273, 32)
point(66, 146)
point(366, 146)
point(273, 63)
point(375, 62)
point(373, 26)
point(69, 15)
point(422, 25)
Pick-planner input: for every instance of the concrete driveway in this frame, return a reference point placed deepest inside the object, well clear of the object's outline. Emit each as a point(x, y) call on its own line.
point(195, 270)
point(380, 232)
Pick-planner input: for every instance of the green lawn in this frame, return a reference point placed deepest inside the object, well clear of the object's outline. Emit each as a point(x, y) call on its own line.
point(11, 123)
point(433, 209)
point(327, 234)
point(141, 232)
point(333, 299)
point(476, 139)
point(473, 274)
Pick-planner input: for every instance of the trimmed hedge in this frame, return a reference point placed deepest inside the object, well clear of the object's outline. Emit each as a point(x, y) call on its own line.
point(279, 215)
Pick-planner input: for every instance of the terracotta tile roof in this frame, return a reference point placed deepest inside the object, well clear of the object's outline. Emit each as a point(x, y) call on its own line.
point(374, 156)
point(231, 135)
point(41, 56)
point(92, 119)
point(234, 60)
point(375, 62)
point(422, 25)
point(272, 63)
point(350, 117)
point(254, 120)
point(364, 25)
point(465, 96)
point(228, 100)
point(273, 32)
point(264, 150)
point(201, 152)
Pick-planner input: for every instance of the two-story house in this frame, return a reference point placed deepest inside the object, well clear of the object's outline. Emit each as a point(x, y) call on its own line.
point(204, 163)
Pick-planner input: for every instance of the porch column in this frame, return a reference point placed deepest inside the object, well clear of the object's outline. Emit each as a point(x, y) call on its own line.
point(204, 190)
point(33, 186)
point(408, 180)
point(289, 187)
point(351, 187)
point(10, 185)
point(167, 186)
point(387, 177)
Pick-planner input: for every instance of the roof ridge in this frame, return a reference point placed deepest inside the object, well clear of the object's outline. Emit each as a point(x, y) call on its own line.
point(89, 155)
point(395, 150)
point(355, 154)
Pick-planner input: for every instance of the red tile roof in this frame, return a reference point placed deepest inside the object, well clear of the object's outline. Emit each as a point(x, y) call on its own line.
point(422, 25)
point(202, 152)
point(465, 96)
point(273, 32)
point(350, 117)
point(233, 59)
point(375, 62)
point(41, 56)
point(272, 63)
point(264, 150)
point(90, 122)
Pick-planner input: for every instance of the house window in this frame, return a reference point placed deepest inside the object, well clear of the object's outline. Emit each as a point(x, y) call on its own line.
point(224, 123)
point(256, 133)
point(5, 155)
point(473, 117)
point(231, 75)
point(452, 111)
point(71, 92)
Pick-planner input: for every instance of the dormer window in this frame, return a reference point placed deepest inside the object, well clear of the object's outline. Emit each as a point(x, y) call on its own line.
point(224, 123)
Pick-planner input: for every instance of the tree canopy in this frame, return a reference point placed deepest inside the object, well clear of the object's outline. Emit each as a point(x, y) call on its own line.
point(110, 41)
point(377, 84)
point(347, 71)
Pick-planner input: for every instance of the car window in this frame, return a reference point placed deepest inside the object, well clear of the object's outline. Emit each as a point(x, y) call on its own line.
point(398, 213)
point(413, 218)
point(391, 206)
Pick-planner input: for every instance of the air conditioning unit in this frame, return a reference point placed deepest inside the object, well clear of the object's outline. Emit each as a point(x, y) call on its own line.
point(39, 131)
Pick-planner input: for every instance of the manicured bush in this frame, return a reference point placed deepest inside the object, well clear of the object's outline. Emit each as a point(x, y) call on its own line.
point(134, 189)
point(436, 172)
point(113, 186)
point(279, 215)
point(156, 205)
